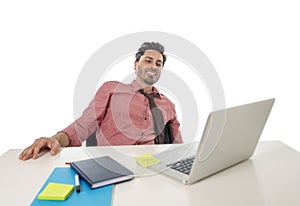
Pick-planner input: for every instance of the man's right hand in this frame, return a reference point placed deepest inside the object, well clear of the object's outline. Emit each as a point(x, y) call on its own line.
point(53, 143)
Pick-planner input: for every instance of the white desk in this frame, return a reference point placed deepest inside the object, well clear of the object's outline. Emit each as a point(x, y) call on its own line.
point(271, 177)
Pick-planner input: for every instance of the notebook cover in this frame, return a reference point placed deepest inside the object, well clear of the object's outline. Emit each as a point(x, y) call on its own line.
point(87, 196)
point(101, 171)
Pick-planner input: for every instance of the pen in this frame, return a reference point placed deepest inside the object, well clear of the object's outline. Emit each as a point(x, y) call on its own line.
point(77, 183)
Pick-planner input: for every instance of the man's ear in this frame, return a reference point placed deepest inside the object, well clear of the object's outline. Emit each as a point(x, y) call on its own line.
point(136, 64)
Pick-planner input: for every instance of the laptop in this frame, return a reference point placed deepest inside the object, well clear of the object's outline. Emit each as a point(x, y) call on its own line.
point(230, 137)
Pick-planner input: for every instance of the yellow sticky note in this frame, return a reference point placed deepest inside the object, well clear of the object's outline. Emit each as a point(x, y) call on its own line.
point(56, 191)
point(146, 160)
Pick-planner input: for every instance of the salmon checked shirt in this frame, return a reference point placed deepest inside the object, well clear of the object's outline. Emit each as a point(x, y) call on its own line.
point(121, 115)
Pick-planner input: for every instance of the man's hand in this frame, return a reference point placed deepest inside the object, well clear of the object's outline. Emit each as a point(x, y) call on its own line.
point(53, 143)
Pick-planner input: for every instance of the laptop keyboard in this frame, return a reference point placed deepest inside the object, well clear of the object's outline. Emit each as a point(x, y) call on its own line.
point(183, 165)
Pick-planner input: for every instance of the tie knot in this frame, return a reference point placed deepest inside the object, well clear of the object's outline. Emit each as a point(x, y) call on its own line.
point(148, 95)
point(150, 98)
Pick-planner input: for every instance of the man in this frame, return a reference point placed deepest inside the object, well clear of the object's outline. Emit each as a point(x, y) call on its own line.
point(122, 114)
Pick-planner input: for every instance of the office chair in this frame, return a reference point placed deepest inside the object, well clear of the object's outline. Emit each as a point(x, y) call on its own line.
point(91, 140)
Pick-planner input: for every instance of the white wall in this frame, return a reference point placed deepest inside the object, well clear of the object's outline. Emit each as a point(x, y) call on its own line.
point(253, 45)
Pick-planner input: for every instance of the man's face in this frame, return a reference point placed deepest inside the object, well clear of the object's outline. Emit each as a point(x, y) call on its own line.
point(148, 68)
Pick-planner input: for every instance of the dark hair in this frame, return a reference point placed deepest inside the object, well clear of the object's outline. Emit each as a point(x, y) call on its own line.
point(151, 46)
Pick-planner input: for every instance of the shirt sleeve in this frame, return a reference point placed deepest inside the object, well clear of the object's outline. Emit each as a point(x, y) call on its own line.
point(91, 117)
point(175, 126)
point(176, 132)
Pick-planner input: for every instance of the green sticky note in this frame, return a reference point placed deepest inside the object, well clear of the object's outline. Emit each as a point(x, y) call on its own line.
point(56, 191)
point(146, 160)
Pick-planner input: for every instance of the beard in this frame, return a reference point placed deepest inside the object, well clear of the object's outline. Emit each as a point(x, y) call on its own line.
point(148, 75)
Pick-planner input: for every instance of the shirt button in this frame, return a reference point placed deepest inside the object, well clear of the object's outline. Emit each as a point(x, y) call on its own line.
point(145, 118)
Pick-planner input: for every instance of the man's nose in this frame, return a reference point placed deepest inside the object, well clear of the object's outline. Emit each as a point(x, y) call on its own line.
point(154, 66)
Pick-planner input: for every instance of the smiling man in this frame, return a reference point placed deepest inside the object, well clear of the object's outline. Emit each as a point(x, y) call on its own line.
point(122, 114)
point(148, 68)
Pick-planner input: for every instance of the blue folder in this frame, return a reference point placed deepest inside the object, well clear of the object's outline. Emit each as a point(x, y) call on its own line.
point(100, 196)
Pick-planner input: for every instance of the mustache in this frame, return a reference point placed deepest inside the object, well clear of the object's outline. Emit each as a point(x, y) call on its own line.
point(151, 69)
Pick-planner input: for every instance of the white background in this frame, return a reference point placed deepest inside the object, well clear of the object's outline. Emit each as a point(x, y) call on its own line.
point(253, 45)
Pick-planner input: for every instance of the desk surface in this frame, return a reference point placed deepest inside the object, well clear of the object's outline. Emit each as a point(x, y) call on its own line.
point(271, 177)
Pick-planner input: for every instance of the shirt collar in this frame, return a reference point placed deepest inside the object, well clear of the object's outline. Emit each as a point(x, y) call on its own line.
point(135, 86)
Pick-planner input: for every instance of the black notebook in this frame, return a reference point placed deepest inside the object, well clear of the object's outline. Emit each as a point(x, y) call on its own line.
point(101, 171)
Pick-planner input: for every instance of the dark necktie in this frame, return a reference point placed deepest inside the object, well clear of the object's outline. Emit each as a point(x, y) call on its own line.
point(157, 116)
